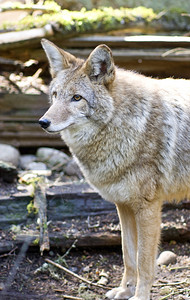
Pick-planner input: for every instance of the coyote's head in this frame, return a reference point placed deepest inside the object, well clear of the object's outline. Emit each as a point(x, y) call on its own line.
point(80, 90)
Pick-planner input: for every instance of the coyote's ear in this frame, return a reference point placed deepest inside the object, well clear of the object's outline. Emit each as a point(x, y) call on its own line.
point(100, 65)
point(58, 58)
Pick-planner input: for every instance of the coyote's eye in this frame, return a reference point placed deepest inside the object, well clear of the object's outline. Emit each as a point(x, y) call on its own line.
point(76, 98)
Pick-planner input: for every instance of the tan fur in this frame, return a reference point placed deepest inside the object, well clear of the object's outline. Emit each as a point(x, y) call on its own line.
point(131, 138)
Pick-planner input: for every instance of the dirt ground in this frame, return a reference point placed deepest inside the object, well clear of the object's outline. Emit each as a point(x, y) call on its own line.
point(21, 275)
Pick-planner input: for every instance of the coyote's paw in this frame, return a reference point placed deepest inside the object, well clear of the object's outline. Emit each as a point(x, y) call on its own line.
point(121, 293)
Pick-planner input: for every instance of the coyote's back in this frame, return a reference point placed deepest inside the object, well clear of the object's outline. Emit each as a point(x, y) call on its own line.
point(131, 137)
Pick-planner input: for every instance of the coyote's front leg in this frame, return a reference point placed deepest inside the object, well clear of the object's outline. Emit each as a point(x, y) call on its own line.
point(148, 233)
point(140, 236)
point(129, 247)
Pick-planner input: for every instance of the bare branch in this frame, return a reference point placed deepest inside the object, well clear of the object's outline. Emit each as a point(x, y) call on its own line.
point(75, 275)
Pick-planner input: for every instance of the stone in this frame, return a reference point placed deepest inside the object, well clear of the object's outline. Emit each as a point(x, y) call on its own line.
point(166, 258)
point(86, 269)
point(36, 166)
point(9, 154)
point(8, 172)
point(72, 169)
point(166, 290)
point(26, 159)
point(52, 156)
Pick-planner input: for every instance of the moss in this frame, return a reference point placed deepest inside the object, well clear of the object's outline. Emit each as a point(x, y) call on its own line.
point(105, 18)
point(31, 208)
point(174, 19)
point(50, 6)
point(36, 242)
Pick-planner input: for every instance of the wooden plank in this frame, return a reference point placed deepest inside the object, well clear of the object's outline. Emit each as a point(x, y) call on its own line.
point(148, 54)
point(19, 114)
point(12, 40)
point(140, 41)
point(78, 206)
point(27, 139)
point(22, 106)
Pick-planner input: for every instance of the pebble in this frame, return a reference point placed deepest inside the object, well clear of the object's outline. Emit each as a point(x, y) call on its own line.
point(165, 290)
point(166, 258)
point(52, 156)
point(36, 166)
point(72, 169)
point(8, 172)
point(86, 269)
point(26, 159)
point(9, 154)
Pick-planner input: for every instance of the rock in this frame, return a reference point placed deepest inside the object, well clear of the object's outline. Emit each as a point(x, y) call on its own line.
point(102, 281)
point(86, 269)
point(52, 156)
point(36, 166)
point(165, 290)
point(9, 154)
point(103, 278)
point(72, 169)
point(166, 258)
point(8, 172)
point(25, 160)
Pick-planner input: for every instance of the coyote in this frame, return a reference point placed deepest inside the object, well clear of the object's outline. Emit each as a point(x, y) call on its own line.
point(130, 135)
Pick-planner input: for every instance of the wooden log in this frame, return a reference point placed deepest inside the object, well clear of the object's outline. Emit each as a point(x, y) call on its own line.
point(131, 42)
point(79, 201)
point(60, 240)
point(89, 239)
point(12, 40)
point(100, 239)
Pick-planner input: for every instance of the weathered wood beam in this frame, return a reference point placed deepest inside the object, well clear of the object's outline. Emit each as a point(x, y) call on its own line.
point(19, 39)
point(140, 41)
point(22, 107)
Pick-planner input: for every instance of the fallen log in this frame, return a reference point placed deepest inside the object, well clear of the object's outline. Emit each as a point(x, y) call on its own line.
point(19, 39)
point(90, 239)
point(131, 42)
point(76, 213)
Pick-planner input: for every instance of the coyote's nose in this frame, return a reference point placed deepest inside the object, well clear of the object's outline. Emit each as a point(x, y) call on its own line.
point(44, 123)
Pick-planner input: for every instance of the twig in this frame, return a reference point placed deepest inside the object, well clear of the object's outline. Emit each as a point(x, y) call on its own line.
point(179, 268)
point(17, 263)
point(57, 166)
point(9, 253)
point(68, 251)
point(168, 295)
point(37, 74)
point(71, 297)
point(173, 293)
point(41, 203)
point(75, 275)
point(14, 84)
point(176, 51)
point(170, 283)
point(67, 296)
